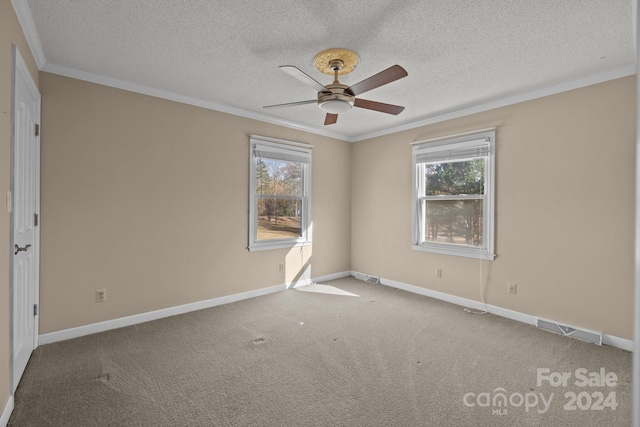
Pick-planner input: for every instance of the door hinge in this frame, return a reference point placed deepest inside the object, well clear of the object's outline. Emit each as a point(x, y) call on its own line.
point(35, 309)
point(35, 219)
point(37, 129)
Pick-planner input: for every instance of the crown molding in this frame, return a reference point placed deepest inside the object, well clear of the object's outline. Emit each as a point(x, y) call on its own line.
point(210, 105)
point(25, 18)
point(159, 93)
point(21, 7)
point(548, 91)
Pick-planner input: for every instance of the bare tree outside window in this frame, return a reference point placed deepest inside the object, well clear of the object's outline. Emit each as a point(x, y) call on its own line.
point(279, 191)
point(457, 221)
point(453, 194)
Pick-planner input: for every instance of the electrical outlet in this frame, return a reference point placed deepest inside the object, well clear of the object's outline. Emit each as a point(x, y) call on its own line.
point(439, 273)
point(281, 266)
point(512, 288)
point(101, 295)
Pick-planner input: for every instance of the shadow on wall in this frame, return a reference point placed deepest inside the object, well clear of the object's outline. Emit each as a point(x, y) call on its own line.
point(297, 267)
point(298, 274)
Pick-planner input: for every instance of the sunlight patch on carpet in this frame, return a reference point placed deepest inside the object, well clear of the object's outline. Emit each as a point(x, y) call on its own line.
point(325, 289)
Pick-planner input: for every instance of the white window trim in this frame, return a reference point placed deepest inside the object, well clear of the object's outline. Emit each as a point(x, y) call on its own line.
point(282, 147)
point(483, 137)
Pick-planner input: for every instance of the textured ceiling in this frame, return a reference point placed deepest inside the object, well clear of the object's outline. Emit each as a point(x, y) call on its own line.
point(458, 53)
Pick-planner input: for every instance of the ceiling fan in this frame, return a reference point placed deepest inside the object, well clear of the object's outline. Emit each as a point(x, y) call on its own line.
point(336, 98)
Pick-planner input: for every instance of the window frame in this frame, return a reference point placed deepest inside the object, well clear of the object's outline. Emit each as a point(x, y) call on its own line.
point(440, 149)
point(279, 148)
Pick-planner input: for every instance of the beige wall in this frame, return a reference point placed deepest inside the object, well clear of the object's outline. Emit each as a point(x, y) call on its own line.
point(147, 198)
point(10, 34)
point(564, 212)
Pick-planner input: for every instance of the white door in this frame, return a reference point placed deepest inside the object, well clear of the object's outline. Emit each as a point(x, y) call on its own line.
point(25, 208)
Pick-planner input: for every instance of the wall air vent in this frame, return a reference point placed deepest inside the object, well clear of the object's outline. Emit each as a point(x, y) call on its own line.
point(571, 331)
point(367, 278)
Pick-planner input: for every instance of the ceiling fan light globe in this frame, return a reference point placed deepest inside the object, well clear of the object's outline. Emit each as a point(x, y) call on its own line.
point(336, 101)
point(336, 106)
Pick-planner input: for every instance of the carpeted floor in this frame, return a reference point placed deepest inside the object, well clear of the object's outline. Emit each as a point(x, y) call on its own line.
point(384, 357)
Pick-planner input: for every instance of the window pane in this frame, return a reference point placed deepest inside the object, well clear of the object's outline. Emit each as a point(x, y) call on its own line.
point(278, 177)
point(279, 219)
point(453, 221)
point(453, 178)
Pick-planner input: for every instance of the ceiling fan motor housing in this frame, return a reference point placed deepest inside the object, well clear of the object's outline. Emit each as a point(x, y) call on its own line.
point(336, 98)
point(337, 101)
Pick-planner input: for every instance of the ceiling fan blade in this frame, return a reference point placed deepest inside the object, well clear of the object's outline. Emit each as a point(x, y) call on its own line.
point(378, 106)
point(303, 77)
point(330, 119)
point(292, 104)
point(389, 75)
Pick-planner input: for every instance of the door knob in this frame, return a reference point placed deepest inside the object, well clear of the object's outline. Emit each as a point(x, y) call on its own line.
point(20, 249)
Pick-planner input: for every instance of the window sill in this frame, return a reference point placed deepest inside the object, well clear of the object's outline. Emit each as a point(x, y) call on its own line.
point(443, 248)
point(265, 246)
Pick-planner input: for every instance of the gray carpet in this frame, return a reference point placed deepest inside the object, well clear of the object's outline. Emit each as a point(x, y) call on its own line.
point(383, 358)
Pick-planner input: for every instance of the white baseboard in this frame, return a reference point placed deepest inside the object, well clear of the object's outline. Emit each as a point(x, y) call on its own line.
point(107, 325)
point(6, 413)
point(464, 302)
point(93, 328)
point(607, 339)
point(614, 341)
point(334, 276)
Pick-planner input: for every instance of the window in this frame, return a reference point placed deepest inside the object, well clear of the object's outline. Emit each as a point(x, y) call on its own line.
point(280, 193)
point(453, 200)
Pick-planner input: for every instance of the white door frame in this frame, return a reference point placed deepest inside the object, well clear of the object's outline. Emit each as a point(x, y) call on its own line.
point(21, 71)
point(635, 380)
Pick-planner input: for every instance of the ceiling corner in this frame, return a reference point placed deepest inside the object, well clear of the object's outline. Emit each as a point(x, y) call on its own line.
point(21, 7)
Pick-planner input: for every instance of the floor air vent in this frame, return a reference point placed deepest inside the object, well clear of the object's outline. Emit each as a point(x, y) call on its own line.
point(579, 334)
point(367, 278)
